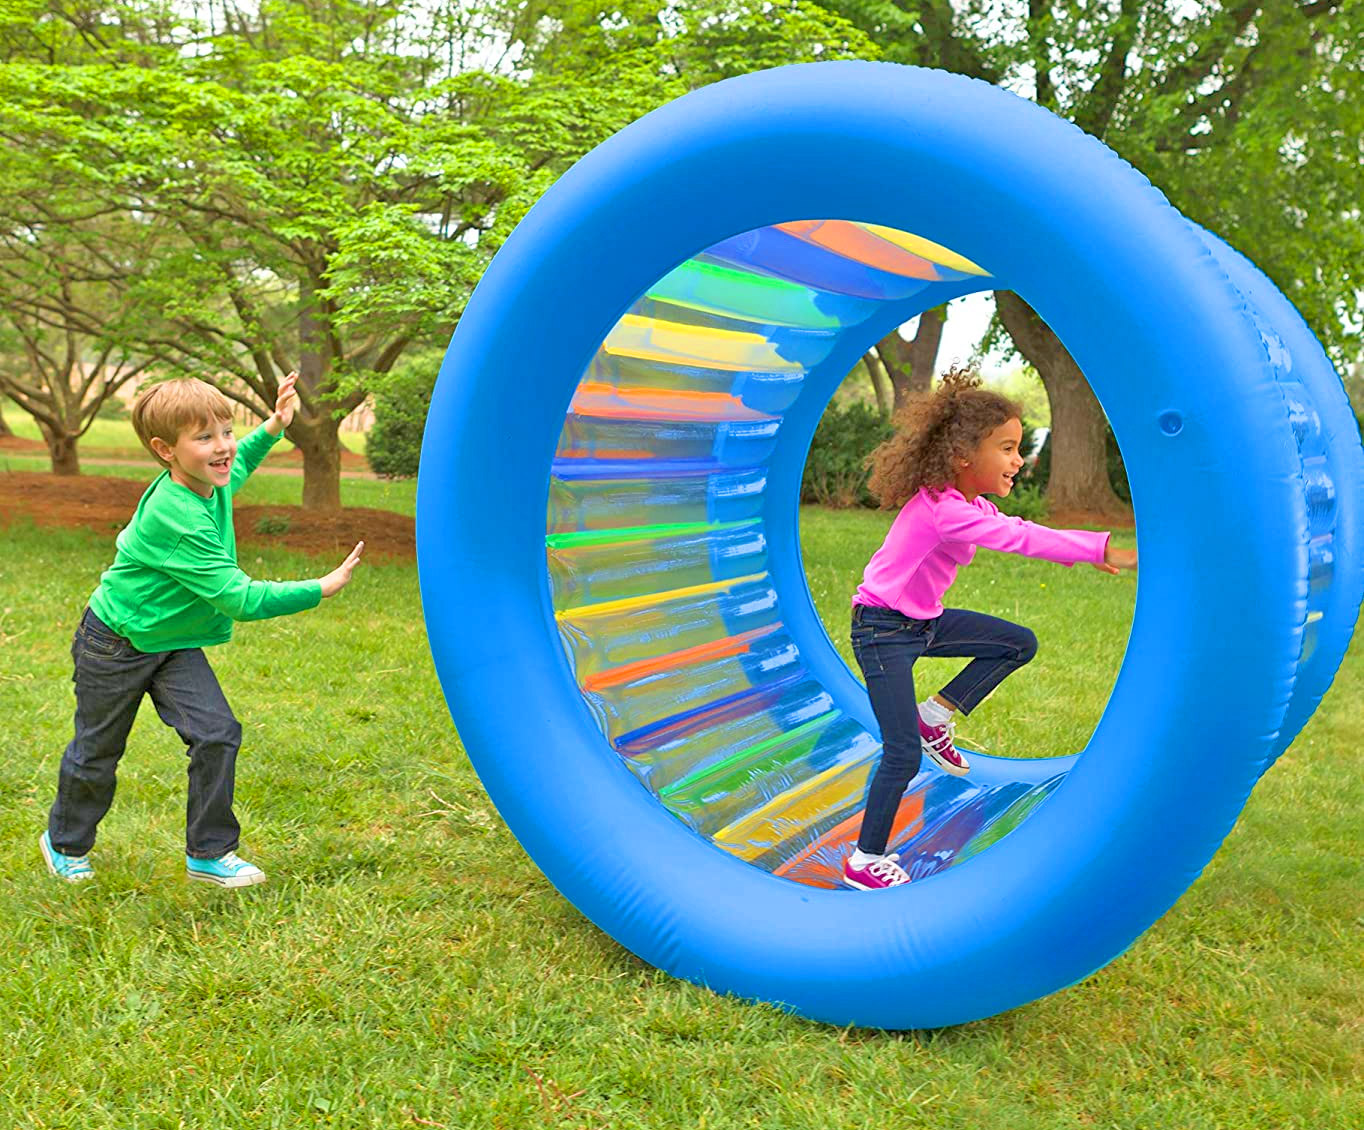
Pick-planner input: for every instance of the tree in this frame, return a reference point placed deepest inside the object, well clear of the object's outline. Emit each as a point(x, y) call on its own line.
point(62, 358)
point(908, 365)
point(1207, 99)
point(323, 185)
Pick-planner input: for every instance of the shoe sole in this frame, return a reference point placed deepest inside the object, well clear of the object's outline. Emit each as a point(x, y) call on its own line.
point(232, 882)
point(52, 866)
point(946, 766)
point(863, 887)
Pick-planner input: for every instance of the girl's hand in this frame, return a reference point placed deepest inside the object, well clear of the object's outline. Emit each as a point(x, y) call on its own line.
point(286, 401)
point(339, 577)
point(1116, 560)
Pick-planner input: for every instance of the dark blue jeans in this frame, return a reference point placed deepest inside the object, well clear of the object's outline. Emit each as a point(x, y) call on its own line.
point(111, 677)
point(886, 644)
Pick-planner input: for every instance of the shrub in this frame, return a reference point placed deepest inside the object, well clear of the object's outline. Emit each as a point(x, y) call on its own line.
point(273, 524)
point(401, 401)
point(836, 467)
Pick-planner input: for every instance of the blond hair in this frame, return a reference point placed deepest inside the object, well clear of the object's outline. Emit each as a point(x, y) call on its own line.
point(931, 432)
point(165, 410)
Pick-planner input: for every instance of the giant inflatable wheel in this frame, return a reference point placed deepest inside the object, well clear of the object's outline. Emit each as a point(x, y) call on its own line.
point(607, 536)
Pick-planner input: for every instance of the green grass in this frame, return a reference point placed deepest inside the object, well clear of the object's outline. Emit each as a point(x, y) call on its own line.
point(407, 964)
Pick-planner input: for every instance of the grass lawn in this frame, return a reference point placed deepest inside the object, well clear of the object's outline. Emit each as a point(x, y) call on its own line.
point(407, 965)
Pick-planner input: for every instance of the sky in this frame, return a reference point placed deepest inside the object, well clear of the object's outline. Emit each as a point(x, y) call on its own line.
point(967, 320)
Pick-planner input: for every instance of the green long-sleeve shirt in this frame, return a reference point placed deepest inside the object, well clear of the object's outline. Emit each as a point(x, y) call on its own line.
point(175, 582)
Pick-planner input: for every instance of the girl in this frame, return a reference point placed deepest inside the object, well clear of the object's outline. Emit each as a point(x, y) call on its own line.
point(951, 449)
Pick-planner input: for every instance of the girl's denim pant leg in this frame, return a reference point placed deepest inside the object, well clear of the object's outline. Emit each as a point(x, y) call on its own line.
point(111, 676)
point(887, 644)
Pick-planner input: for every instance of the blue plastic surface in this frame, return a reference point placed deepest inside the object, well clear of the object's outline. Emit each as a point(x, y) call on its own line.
point(603, 687)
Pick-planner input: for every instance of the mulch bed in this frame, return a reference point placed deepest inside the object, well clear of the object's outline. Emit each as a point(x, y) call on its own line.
point(103, 505)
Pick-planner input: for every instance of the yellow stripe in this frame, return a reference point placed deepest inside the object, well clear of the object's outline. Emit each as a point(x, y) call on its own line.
point(744, 837)
point(934, 252)
point(610, 607)
point(650, 339)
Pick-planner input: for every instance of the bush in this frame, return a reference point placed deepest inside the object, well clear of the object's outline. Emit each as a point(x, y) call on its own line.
point(836, 468)
point(273, 524)
point(401, 401)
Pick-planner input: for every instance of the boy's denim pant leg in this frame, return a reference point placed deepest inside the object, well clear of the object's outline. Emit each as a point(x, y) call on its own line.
point(886, 645)
point(111, 677)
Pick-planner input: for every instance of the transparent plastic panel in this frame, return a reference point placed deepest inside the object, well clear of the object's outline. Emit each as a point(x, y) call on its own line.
point(644, 704)
point(599, 637)
point(758, 719)
point(741, 444)
point(605, 565)
point(753, 778)
point(766, 391)
point(624, 495)
point(734, 292)
point(657, 553)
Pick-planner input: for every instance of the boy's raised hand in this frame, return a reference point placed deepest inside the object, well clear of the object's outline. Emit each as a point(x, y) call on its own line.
point(339, 577)
point(287, 400)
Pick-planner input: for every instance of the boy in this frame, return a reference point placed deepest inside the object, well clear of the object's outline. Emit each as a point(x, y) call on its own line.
point(174, 588)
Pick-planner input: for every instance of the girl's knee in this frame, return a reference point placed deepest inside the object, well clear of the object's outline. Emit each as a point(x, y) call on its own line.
point(1027, 644)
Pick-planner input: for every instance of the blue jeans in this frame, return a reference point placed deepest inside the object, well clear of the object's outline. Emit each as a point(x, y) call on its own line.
point(886, 644)
point(111, 676)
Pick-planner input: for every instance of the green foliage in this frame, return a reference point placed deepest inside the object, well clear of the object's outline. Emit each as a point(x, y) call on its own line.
point(400, 406)
point(273, 524)
point(1246, 116)
point(112, 408)
point(836, 467)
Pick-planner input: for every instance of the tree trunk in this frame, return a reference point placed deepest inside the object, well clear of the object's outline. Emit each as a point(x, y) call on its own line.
point(5, 432)
point(910, 364)
point(880, 384)
point(61, 449)
point(321, 447)
point(1079, 461)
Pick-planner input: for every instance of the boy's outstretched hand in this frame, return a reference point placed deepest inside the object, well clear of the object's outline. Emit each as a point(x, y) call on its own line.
point(339, 577)
point(1116, 560)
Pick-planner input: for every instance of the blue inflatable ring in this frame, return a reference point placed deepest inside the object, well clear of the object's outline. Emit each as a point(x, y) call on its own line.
point(574, 367)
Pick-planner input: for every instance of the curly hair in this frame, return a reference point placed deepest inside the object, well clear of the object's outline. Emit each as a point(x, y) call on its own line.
point(933, 430)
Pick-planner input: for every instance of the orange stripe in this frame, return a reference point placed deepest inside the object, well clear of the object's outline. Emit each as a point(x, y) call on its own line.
point(716, 649)
point(605, 453)
point(910, 812)
point(594, 399)
point(856, 243)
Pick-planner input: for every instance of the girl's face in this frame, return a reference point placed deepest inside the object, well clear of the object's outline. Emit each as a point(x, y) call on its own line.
point(991, 468)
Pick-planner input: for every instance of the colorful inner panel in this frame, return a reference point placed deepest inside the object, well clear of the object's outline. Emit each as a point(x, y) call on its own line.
point(658, 564)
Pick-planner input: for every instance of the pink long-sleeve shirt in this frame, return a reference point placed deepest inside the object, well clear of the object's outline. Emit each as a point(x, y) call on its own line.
point(932, 536)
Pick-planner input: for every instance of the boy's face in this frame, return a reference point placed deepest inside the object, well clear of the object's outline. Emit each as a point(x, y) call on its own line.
point(202, 456)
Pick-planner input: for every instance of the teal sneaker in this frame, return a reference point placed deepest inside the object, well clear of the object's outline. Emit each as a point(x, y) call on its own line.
point(228, 870)
point(72, 868)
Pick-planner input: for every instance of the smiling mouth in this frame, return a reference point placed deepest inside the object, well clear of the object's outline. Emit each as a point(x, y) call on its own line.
point(221, 464)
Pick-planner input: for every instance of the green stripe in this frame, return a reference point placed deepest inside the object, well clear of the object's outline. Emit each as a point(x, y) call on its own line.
point(713, 773)
point(735, 277)
point(638, 533)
